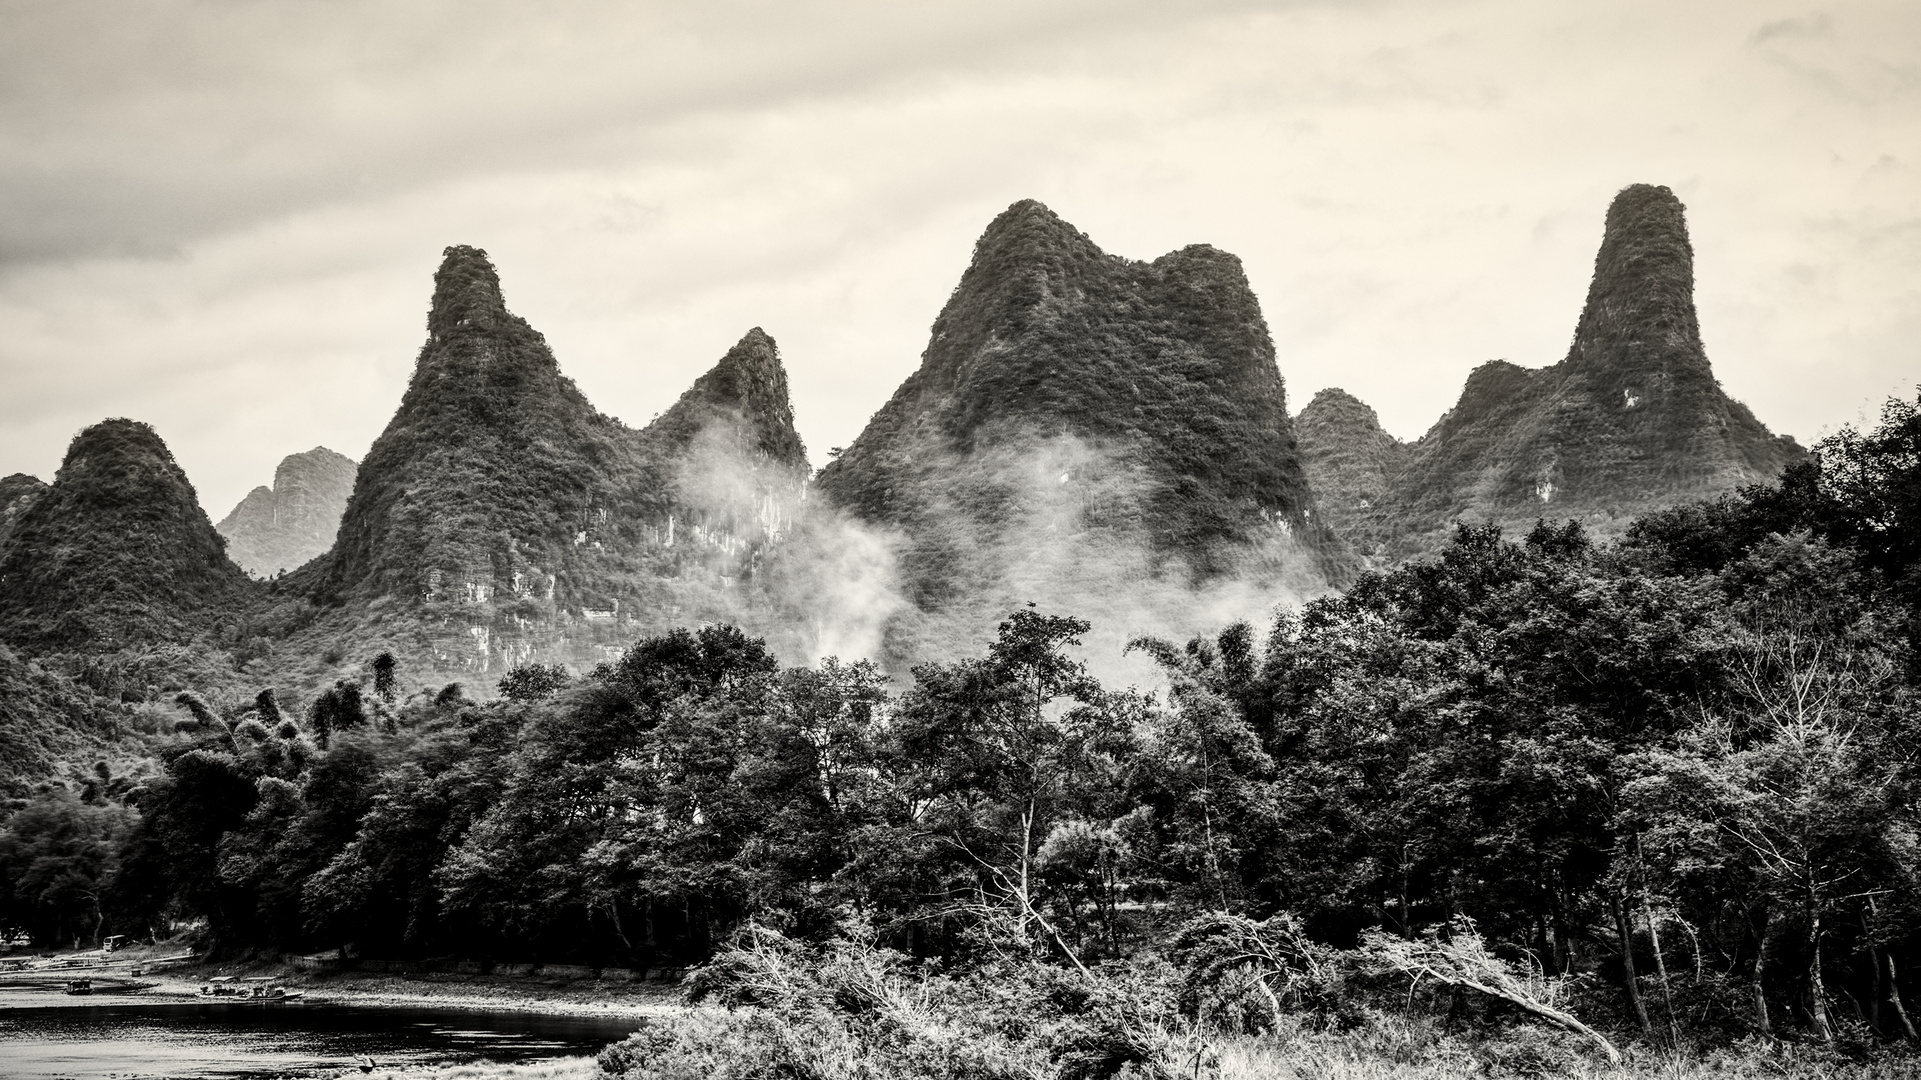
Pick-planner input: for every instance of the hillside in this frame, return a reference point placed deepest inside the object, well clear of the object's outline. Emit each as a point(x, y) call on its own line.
point(47, 721)
point(116, 552)
point(1631, 420)
point(279, 528)
point(1127, 417)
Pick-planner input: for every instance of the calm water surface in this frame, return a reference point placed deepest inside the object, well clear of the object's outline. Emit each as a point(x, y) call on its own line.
point(194, 1040)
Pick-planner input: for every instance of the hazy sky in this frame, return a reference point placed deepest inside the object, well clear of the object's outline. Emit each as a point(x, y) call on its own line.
point(222, 217)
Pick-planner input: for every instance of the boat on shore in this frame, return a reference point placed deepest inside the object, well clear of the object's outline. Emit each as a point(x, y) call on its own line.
point(261, 989)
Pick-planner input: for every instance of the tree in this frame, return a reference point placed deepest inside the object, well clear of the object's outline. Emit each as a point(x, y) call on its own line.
point(384, 667)
point(1203, 770)
point(58, 855)
point(532, 682)
point(987, 748)
point(1802, 785)
point(338, 708)
point(1459, 957)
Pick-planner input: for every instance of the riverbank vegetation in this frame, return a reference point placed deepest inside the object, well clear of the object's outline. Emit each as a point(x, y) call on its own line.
point(1532, 804)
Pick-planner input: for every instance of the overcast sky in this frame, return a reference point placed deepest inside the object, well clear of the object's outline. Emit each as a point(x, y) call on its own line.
point(223, 217)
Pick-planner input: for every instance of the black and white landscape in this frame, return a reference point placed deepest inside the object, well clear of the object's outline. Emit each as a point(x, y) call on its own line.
point(1048, 696)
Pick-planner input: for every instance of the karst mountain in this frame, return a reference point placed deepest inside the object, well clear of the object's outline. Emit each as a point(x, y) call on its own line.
point(1084, 423)
point(1090, 433)
point(115, 553)
point(510, 519)
point(1631, 420)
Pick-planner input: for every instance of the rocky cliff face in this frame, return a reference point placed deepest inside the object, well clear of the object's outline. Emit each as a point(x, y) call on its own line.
point(116, 552)
point(280, 528)
point(1103, 418)
point(1630, 421)
point(513, 520)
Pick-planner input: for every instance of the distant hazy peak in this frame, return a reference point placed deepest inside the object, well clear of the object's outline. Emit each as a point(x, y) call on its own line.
point(318, 457)
point(293, 522)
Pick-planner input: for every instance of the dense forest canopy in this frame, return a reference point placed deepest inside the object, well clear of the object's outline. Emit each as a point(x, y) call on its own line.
point(1679, 768)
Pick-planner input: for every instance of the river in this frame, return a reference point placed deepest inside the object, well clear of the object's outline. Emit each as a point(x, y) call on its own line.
point(197, 1040)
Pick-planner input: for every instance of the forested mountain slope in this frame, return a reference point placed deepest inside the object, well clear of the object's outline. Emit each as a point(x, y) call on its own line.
point(17, 493)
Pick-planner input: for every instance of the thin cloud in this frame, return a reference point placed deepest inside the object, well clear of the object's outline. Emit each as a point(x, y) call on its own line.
point(1817, 25)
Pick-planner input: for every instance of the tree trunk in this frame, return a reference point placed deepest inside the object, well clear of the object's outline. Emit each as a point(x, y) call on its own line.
point(1760, 975)
point(1817, 990)
point(1661, 966)
point(1894, 998)
point(1628, 975)
point(1545, 1012)
point(1654, 940)
point(1875, 989)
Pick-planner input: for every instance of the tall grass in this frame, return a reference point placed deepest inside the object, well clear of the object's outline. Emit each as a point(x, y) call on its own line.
point(776, 1010)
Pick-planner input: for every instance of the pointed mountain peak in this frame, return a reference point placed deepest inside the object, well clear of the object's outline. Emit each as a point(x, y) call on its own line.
point(1640, 305)
point(1029, 228)
point(1162, 372)
point(475, 346)
point(1631, 421)
point(754, 356)
point(747, 387)
point(466, 292)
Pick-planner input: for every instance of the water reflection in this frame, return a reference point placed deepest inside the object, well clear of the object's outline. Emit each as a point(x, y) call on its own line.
point(196, 1040)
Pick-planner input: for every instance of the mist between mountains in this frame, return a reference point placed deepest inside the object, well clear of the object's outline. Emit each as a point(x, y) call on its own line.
point(1057, 521)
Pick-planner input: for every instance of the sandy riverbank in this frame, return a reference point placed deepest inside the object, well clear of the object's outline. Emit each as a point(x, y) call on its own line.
point(483, 993)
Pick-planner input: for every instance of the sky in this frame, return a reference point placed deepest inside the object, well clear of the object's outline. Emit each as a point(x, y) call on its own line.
point(223, 218)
